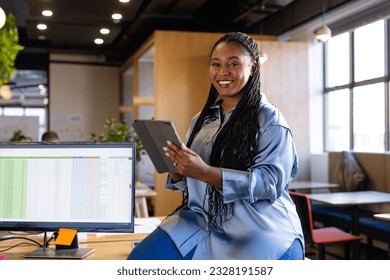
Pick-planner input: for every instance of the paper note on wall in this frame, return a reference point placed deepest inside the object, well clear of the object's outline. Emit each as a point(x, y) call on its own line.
point(70, 127)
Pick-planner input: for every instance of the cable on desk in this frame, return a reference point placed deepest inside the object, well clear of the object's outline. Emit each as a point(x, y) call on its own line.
point(36, 243)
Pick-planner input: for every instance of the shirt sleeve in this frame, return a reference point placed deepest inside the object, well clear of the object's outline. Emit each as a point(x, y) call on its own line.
point(272, 169)
point(177, 186)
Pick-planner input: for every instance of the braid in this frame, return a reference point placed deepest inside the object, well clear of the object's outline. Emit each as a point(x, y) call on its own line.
point(236, 145)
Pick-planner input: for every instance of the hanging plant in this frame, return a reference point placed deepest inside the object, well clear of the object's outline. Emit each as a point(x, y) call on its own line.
point(9, 49)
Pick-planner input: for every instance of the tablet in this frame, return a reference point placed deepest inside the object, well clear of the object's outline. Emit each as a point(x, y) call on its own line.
point(154, 135)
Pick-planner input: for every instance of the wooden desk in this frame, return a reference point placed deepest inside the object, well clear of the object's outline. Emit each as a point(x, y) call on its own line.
point(108, 246)
point(142, 191)
point(310, 185)
point(385, 216)
point(354, 200)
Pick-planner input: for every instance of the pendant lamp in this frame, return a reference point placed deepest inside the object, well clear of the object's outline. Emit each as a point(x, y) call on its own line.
point(323, 33)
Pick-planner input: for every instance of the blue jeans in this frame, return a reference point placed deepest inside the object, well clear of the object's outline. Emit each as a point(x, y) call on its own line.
point(295, 252)
point(158, 246)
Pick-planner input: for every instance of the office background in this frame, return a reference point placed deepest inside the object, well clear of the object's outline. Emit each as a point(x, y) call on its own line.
point(84, 87)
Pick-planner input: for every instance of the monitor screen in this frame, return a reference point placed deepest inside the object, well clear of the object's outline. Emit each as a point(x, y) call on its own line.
point(85, 186)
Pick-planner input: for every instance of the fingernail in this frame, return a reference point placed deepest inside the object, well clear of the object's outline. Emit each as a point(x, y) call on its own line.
point(165, 148)
point(169, 142)
point(167, 154)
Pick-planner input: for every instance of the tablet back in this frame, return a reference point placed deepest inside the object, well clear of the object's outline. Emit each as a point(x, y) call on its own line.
point(154, 135)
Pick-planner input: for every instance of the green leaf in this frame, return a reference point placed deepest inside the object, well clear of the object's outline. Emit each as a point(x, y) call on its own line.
point(117, 131)
point(9, 49)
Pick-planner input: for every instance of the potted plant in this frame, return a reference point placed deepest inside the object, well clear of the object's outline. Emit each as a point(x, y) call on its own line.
point(9, 49)
point(117, 131)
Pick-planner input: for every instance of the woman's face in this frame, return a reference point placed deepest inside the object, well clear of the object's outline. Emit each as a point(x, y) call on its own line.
point(230, 69)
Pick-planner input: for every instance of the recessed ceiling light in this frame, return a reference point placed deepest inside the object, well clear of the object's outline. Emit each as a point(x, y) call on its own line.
point(3, 17)
point(124, 1)
point(98, 41)
point(42, 26)
point(104, 31)
point(116, 16)
point(47, 13)
point(41, 37)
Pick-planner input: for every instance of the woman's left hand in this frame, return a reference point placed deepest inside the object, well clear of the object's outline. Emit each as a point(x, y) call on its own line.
point(190, 164)
point(187, 162)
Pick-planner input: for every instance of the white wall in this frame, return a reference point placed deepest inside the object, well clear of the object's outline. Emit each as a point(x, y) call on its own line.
point(285, 82)
point(82, 96)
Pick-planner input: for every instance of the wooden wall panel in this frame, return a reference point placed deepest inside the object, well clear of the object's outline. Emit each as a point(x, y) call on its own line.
point(181, 86)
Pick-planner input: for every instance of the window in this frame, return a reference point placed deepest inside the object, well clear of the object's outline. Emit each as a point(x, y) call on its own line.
point(369, 118)
point(356, 90)
point(338, 120)
point(338, 60)
point(28, 99)
point(369, 51)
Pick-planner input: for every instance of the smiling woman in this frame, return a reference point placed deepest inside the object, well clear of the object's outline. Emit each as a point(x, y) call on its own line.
point(234, 171)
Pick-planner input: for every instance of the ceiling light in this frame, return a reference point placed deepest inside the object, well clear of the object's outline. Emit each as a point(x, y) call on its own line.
point(42, 26)
point(104, 31)
point(42, 89)
point(42, 37)
point(47, 13)
point(124, 1)
point(116, 16)
point(98, 41)
point(323, 33)
point(5, 92)
point(3, 17)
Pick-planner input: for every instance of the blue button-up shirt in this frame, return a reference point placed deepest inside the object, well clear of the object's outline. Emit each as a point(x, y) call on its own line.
point(265, 222)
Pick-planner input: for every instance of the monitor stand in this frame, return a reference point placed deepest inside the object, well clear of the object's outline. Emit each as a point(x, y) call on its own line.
point(52, 253)
point(61, 252)
point(4, 235)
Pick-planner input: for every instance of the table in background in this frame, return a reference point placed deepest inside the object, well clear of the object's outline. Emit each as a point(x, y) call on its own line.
point(310, 185)
point(142, 191)
point(353, 200)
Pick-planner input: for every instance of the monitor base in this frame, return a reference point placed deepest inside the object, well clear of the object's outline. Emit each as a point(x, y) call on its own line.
point(49, 253)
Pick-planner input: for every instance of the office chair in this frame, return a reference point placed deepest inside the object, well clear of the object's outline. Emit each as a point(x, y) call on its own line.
point(321, 237)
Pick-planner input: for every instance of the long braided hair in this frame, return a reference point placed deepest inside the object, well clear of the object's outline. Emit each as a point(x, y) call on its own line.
point(236, 145)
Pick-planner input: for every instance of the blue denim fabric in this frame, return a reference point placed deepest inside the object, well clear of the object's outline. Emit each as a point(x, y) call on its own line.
point(295, 252)
point(157, 246)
